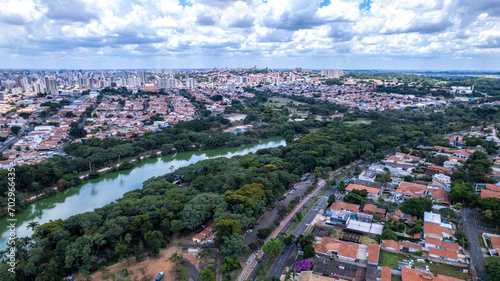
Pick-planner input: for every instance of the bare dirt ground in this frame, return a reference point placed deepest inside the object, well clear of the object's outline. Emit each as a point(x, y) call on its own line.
point(154, 265)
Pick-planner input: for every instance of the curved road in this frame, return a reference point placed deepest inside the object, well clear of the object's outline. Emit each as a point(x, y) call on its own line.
point(471, 230)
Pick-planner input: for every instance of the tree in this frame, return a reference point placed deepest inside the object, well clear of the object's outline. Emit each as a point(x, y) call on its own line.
point(33, 225)
point(272, 247)
point(176, 226)
point(331, 199)
point(230, 264)
point(439, 159)
point(154, 239)
point(176, 258)
point(388, 234)
point(263, 232)
point(341, 186)
point(288, 240)
point(69, 114)
point(492, 268)
point(309, 251)
point(181, 273)
point(15, 129)
point(206, 274)
point(416, 206)
point(233, 246)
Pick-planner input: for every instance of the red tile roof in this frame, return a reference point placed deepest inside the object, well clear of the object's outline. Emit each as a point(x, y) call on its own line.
point(348, 250)
point(373, 253)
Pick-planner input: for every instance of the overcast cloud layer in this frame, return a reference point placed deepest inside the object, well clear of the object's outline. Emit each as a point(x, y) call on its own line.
point(389, 34)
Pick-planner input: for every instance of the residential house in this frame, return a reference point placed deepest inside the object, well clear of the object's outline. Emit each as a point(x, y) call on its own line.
point(410, 247)
point(408, 190)
point(328, 246)
point(385, 274)
point(373, 193)
point(490, 190)
point(443, 181)
point(372, 209)
point(447, 255)
point(442, 196)
point(434, 169)
point(373, 252)
point(348, 208)
point(338, 218)
point(348, 251)
point(390, 245)
point(436, 231)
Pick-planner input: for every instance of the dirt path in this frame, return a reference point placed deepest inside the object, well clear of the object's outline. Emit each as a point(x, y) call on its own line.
point(153, 265)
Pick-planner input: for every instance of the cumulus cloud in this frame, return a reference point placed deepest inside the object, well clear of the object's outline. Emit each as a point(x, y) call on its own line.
point(248, 29)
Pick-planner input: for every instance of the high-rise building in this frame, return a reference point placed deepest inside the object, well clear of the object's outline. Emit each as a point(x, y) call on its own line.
point(190, 83)
point(51, 84)
point(335, 73)
point(324, 72)
point(231, 87)
point(167, 83)
point(142, 76)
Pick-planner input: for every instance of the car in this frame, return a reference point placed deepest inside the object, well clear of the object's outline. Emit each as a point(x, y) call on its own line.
point(249, 231)
point(282, 253)
point(257, 223)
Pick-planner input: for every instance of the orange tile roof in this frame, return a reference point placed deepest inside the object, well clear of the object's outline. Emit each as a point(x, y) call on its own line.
point(372, 190)
point(373, 253)
point(409, 274)
point(441, 194)
point(370, 208)
point(443, 253)
point(439, 169)
point(493, 187)
point(489, 193)
point(386, 273)
point(389, 244)
point(436, 229)
point(495, 242)
point(345, 206)
point(348, 250)
point(410, 245)
point(416, 190)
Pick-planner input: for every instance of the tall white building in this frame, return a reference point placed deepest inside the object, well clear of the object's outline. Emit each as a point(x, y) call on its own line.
point(167, 83)
point(51, 84)
point(190, 83)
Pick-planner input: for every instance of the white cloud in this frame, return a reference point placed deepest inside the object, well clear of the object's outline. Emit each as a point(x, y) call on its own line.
point(248, 30)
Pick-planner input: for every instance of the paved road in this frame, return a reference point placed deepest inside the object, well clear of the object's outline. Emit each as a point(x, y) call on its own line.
point(280, 263)
point(471, 231)
point(272, 216)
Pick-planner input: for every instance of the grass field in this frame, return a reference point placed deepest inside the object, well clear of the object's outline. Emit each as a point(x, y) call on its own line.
point(447, 270)
point(390, 259)
point(358, 122)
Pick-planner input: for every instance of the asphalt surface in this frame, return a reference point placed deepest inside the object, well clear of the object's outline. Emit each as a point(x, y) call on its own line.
point(272, 216)
point(471, 230)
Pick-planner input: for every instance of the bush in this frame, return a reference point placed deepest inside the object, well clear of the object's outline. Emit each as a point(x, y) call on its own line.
point(418, 253)
point(94, 175)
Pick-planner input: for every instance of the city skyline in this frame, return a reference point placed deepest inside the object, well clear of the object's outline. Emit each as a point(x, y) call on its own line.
point(194, 34)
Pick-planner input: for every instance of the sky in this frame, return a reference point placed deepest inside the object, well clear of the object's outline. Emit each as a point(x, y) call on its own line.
point(314, 34)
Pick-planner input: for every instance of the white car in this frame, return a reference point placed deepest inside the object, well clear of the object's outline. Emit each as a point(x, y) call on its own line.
point(249, 231)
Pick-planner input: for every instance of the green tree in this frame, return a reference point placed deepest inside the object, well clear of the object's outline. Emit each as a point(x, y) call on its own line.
point(176, 257)
point(309, 251)
point(230, 264)
point(176, 226)
point(272, 247)
point(233, 246)
point(288, 240)
point(15, 129)
point(416, 206)
point(181, 273)
point(492, 268)
point(154, 239)
point(207, 274)
point(331, 199)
